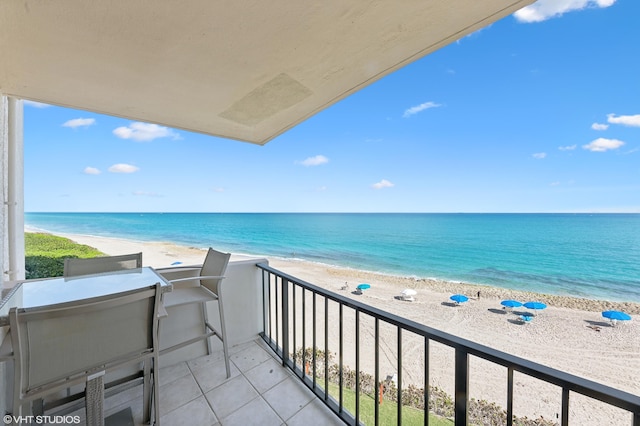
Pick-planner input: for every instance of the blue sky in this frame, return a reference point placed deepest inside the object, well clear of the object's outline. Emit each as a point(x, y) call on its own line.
point(540, 112)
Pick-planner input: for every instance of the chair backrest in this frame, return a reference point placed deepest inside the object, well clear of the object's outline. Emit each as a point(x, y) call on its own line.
point(59, 345)
point(215, 265)
point(96, 265)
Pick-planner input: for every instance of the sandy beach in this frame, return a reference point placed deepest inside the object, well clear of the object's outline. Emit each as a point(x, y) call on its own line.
point(570, 335)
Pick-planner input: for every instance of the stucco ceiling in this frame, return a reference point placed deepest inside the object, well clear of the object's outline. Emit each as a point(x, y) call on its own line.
point(246, 70)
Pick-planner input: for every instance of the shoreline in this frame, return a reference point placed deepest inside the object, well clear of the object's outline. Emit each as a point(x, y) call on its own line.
point(570, 335)
point(163, 254)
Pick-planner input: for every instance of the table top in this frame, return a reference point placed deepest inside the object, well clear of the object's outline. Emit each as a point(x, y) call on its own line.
point(35, 293)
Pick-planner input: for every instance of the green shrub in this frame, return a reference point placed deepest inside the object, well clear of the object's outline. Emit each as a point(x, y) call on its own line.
point(481, 412)
point(45, 254)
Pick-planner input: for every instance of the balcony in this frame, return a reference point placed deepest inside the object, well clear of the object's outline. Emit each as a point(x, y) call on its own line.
point(289, 341)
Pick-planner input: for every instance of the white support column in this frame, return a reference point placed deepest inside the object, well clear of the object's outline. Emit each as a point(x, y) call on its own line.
point(12, 185)
point(4, 187)
point(5, 388)
point(16, 190)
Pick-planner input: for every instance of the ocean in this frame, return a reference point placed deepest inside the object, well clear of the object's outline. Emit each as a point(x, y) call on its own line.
point(594, 256)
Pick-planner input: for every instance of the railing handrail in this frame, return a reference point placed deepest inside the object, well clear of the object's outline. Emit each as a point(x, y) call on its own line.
point(599, 391)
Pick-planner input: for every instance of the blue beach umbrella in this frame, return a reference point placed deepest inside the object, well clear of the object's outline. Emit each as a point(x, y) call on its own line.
point(511, 303)
point(363, 286)
point(459, 298)
point(535, 305)
point(616, 315)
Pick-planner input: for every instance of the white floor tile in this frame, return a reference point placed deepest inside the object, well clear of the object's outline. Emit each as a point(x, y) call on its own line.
point(266, 375)
point(288, 397)
point(230, 396)
point(315, 413)
point(178, 393)
point(197, 412)
point(255, 413)
point(248, 358)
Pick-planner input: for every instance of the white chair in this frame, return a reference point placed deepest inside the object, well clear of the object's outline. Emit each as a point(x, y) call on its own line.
point(206, 287)
point(407, 295)
point(58, 346)
point(95, 265)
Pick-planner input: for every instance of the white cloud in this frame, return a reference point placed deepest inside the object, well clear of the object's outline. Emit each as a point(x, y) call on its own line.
point(418, 108)
point(145, 132)
point(123, 168)
point(602, 145)
point(382, 184)
point(314, 161)
point(217, 189)
point(539, 155)
point(567, 148)
point(625, 120)
point(36, 104)
point(91, 171)
point(79, 122)
point(599, 126)
point(547, 9)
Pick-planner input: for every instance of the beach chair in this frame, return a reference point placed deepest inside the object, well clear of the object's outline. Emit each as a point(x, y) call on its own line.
point(204, 288)
point(407, 295)
point(526, 319)
point(95, 265)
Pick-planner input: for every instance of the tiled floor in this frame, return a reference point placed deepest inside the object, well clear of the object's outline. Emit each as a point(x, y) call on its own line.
point(259, 392)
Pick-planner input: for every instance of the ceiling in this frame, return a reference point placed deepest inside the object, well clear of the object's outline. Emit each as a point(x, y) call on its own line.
point(246, 70)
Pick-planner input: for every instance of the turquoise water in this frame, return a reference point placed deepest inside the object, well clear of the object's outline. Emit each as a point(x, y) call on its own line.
point(585, 255)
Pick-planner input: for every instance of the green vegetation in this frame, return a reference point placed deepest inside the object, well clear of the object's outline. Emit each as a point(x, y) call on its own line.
point(387, 411)
point(45, 254)
point(441, 405)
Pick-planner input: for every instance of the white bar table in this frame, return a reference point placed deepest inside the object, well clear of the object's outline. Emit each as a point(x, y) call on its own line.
point(51, 291)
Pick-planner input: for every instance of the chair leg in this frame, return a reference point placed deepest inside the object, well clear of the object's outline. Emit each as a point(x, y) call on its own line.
point(223, 331)
point(20, 410)
point(156, 392)
point(146, 392)
point(205, 320)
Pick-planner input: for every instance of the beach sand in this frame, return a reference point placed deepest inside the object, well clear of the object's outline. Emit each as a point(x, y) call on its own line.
point(570, 335)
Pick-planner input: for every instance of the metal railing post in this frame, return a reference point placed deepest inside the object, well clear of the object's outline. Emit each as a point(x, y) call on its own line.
point(357, 367)
point(265, 304)
point(509, 396)
point(285, 321)
point(326, 348)
point(378, 388)
point(564, 421)
point(293, 311)
point(340, 360)
point(399, 406)
point(426, 381)
point(461, 387)
point(315, 348)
